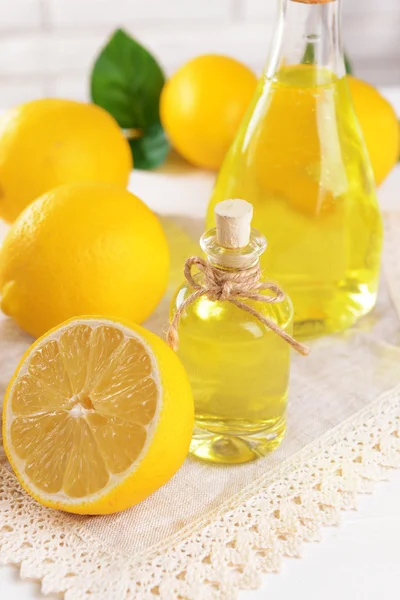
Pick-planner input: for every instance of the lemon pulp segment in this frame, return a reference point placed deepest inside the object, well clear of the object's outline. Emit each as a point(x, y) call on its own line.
point(82, 410)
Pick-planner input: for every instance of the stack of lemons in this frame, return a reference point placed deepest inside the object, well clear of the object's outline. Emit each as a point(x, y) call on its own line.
point(81, 244)
point(84, 245)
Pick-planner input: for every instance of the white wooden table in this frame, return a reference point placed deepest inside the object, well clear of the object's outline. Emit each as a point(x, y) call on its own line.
point(360, 560)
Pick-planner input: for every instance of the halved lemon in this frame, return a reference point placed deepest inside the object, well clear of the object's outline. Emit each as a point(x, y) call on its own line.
point(97, 416)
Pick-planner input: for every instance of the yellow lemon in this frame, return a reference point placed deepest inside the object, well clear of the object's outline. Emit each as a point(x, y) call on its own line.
point(83, 248)
point(97, 416)
point(46, 143)
point(202, 105)
point(379, 124)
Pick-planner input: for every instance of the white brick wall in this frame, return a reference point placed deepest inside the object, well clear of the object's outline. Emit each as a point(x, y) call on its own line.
point(19, 15)
point(48, 46)
point(101, 12)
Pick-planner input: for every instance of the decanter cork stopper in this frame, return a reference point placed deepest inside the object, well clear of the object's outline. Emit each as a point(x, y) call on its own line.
point(233, 219)
point(314, 1)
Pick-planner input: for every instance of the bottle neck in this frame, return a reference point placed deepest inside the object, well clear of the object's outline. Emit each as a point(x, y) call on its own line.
point(232, 263)
point(307, 33)
point(233, 258)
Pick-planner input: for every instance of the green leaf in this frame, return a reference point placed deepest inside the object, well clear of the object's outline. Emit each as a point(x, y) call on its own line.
point(347, 63)
point(150, 150)
point(127, 81)
point(309, 58)
point(309, 54)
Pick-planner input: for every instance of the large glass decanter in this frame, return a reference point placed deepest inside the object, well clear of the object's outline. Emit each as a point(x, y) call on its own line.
point(300, 159)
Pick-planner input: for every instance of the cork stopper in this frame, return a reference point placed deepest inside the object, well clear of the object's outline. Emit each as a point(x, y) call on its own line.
point(233, 220)
point(314, 1)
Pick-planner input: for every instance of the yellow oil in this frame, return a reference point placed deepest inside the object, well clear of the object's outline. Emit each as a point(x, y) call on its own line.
point(239, 373)
point(300, 159)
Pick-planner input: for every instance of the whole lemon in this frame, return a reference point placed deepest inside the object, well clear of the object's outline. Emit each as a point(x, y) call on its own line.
point(83, 248)
point(202, 105)
point(379, 125)
point(46, 143)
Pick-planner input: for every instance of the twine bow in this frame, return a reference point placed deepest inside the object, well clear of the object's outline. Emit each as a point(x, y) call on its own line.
point(229, 286)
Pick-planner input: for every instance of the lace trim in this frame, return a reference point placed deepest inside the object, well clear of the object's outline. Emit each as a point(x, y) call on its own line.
point(230, 548)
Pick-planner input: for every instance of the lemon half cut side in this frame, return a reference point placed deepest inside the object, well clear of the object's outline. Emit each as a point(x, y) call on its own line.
point(97, 416)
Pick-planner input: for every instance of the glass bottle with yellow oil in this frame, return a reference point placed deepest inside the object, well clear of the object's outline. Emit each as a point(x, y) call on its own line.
point(300, 159)
point(232, 331)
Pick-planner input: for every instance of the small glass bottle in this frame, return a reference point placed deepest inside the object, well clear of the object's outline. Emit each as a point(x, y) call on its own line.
point(300, 159)
point(238, 366)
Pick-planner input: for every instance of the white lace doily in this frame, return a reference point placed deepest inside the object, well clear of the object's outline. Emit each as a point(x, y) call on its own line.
point(213, 530)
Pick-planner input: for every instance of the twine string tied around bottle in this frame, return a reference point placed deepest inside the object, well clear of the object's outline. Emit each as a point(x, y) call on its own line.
point(230, 286)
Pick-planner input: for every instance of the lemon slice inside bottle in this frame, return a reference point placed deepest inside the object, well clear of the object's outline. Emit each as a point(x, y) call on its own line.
point(87, 424)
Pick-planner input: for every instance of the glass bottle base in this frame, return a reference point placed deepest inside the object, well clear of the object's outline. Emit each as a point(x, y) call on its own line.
point(226, 448)
point(330, 311)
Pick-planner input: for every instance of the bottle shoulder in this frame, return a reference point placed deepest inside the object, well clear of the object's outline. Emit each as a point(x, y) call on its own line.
point(300, 150)
point(207, 310)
